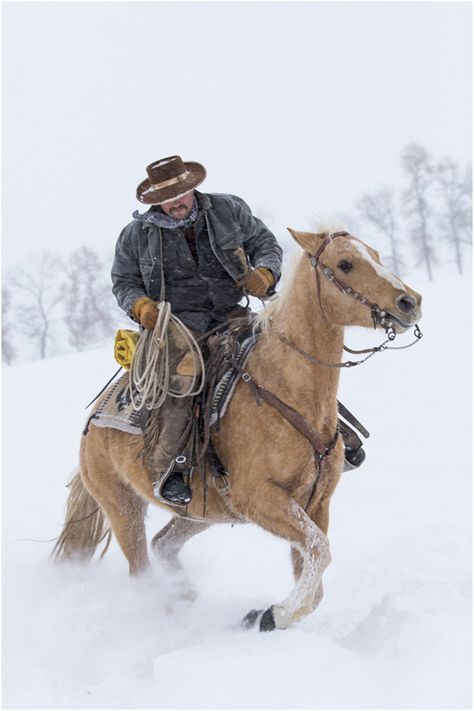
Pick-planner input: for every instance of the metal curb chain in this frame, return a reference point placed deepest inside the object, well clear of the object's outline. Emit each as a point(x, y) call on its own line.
point(418, 337)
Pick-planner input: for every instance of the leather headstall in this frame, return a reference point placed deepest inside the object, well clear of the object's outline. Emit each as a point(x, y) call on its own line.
point(378, 316)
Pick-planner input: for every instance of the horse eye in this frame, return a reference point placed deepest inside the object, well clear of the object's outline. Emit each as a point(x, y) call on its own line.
point(345, 266)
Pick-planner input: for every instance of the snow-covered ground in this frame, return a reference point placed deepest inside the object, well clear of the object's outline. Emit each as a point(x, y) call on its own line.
point(394, 627)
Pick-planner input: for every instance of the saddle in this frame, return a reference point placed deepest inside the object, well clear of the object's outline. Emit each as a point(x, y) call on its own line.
point(116, 410)
point(219, 350)
point(226, 355)
point(234, 345)
point(222, 376)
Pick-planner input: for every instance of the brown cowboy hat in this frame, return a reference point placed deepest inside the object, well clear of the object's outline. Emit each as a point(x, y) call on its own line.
point(168, 179)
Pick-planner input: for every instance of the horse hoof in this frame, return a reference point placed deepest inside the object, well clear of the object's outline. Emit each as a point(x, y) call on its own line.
point(250, 619)
point(267, 623)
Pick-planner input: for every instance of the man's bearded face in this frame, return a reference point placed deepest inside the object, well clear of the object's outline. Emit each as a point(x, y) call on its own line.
point(180, 207)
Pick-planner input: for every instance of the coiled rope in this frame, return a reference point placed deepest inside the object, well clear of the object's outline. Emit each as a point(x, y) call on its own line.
point(149, 374)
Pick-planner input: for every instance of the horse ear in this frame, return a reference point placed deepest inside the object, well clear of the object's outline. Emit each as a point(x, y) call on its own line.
point(307, 240)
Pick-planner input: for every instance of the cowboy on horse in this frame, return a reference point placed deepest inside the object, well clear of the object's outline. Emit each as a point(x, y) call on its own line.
point(185, 249)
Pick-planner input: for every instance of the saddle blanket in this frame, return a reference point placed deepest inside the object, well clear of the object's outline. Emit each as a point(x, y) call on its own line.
point(116, 410)
point(225, 387)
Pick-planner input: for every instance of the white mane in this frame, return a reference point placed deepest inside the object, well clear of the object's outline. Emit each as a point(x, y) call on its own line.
point(262, 322)
point(328, 224)
point(321, 224)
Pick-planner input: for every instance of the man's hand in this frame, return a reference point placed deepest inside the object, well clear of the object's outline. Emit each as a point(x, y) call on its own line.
point(146, 312)
point(257, 281)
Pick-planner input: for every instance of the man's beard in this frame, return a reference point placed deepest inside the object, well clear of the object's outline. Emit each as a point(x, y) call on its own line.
point(179, 209)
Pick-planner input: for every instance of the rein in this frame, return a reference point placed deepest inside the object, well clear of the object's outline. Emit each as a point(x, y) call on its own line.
point(344, 364)
point(351, 363)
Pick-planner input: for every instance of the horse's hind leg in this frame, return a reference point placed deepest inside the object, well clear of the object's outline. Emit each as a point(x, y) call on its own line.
point(126, 513)
point(168, 542)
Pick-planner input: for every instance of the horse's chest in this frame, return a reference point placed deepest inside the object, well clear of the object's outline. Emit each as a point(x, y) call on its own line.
point(316, 481)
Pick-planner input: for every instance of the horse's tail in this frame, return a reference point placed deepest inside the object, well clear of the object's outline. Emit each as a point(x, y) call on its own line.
point(85, 525)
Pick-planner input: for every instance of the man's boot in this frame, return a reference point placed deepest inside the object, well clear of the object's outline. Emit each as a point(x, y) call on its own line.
point(174, 489)
point(168, 464)
point(354, 455)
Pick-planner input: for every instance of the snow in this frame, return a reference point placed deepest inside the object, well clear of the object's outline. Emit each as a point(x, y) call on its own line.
point(394, 627)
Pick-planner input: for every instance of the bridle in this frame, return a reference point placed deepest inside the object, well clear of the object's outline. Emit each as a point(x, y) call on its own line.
point(379, 316)
point(298, 421)
point(320, 450)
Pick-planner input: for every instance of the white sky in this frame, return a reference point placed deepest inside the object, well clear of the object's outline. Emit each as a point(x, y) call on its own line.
point(295, 106)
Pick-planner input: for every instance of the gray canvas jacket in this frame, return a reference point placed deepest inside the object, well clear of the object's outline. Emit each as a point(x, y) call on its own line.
point(229, 222)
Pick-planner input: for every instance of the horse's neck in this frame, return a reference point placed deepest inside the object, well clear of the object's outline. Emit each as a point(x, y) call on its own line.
point(301, 320)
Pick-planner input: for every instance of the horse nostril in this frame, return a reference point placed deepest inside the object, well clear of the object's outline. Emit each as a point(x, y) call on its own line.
point(406, 303)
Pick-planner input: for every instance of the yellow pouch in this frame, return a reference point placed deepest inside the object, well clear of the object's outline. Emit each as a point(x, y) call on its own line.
point(124, 347)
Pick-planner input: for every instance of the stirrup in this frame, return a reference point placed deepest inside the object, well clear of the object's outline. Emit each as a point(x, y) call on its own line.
point(350, 437)
point(182, 493)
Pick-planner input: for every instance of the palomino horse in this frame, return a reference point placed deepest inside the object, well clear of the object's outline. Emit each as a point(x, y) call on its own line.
point(276, 476)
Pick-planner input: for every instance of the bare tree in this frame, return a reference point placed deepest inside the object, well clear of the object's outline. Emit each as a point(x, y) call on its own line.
point(454, 187)
point(418, 167)
point(37, 282)
point(88, 302)
point(8, 351)
point(466, 223)
point(379, 210)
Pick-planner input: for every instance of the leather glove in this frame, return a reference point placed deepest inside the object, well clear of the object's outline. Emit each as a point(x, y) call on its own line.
point(146, 312)
point(257, 281)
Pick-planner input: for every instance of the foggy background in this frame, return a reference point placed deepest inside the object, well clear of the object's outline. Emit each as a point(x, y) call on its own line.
point(294, 106)
point(358, 110)
point(301, 108)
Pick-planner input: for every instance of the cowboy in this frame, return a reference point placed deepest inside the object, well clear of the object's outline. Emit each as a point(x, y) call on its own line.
point(201, 253)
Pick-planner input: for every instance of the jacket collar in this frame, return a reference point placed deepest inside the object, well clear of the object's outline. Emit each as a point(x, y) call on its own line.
point(203, 200)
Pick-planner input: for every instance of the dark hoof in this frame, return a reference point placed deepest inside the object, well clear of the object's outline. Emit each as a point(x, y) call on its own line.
point(267, 623)
point(250, 619)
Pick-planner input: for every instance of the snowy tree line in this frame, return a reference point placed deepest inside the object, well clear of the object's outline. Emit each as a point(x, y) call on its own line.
point(51, 305)
point(434, 208)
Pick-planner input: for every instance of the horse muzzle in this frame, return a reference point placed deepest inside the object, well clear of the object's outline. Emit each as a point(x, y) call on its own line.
point(389, 320)
point(407, 313)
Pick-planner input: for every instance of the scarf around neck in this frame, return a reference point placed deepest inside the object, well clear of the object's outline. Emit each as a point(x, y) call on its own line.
point(161, 219)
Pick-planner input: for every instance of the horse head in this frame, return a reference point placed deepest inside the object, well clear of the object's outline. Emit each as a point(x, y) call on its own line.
point(353, 286)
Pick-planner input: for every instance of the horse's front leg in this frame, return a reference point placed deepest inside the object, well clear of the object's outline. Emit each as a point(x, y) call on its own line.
point(273, 509)
point(320, 516)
